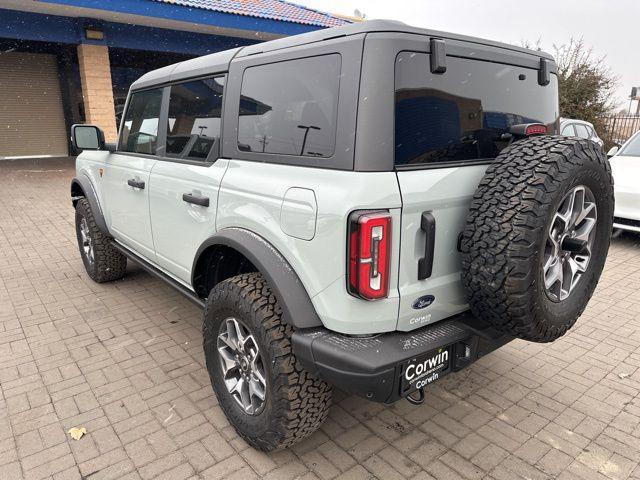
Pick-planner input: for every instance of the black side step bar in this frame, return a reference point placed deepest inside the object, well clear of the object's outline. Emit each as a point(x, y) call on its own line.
point(158, 273)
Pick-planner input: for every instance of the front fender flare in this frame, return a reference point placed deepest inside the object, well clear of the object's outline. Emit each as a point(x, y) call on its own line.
point(297, 308)
point(83, 183)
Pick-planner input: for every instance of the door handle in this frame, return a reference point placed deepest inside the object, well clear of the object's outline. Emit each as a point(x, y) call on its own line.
point(428, 226)
point(132, 182)
point(196, 199)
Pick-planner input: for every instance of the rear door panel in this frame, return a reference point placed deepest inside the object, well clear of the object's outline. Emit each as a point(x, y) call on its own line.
point(186, 179)
point(179, 228)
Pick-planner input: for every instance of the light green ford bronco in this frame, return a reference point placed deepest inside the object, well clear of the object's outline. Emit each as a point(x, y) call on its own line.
point(369, 207)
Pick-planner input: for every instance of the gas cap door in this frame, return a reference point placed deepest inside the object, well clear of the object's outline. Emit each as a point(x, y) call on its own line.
point(298, 213)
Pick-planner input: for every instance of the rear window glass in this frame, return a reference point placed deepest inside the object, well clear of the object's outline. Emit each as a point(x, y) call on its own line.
point(464, 113)
point(290, 107)
point(193, 127)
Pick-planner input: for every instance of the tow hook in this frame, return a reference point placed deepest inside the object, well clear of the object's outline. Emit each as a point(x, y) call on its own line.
point(416, 401)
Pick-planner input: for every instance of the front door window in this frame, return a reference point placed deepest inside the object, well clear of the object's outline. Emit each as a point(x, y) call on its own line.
point(140, 127)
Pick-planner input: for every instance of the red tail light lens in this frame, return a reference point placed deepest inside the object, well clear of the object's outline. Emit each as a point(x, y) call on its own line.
point(369, 252)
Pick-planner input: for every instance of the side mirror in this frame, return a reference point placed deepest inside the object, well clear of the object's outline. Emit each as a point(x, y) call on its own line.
point(612, 151)
point(87, 137)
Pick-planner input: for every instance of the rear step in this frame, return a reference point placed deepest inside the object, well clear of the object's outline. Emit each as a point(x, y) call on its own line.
point(378, 367)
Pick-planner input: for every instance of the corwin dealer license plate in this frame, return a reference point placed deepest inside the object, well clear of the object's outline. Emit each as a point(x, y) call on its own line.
point(425, 369)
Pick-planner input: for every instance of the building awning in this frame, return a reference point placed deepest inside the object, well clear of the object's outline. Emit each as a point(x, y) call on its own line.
point(272, 9)
point(251, 19)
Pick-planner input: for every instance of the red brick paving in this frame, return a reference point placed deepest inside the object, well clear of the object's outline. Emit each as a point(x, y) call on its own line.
point(124, 360)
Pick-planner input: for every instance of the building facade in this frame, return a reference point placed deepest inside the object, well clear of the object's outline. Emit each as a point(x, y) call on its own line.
point(72, 61)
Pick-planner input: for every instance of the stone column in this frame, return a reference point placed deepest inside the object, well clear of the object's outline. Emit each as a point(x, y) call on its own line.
point(97, 89)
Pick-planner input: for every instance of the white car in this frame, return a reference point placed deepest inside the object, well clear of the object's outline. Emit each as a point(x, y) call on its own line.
point(570, 127)
point(625, 164)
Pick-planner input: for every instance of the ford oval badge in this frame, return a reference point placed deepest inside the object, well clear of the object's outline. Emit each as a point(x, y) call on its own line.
point(423, 302)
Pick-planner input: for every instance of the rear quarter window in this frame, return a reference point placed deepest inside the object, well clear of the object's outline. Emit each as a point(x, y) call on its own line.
point(463, 114)
point(290, 107)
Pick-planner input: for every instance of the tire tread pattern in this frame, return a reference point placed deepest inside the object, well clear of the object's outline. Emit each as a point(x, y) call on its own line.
point(502, 238)
point(301, 401)
point(109, 264)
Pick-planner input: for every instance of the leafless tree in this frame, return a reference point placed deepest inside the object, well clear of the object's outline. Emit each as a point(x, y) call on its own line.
point(585, 82)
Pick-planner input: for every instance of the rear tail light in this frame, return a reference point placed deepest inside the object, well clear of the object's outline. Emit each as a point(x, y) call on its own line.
point(369, 252)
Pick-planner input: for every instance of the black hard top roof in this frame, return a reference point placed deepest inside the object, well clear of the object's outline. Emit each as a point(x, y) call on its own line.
point(219, 62)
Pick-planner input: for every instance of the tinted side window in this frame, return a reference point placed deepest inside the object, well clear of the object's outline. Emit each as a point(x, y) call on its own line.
point(140, 128)
point(289, 108)
point(581, 130)
point(464, 113)
point(194, 118)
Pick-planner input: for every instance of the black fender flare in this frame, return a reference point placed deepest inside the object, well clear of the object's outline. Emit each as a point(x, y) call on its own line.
point(84, 184)
point(297, 308)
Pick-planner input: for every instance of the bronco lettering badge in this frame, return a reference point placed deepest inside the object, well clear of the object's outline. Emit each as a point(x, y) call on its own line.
point(425, 369)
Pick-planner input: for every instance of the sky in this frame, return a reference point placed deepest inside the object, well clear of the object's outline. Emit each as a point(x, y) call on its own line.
point(610, 27)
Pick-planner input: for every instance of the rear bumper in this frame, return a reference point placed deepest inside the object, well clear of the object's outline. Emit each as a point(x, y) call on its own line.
point(373, 367)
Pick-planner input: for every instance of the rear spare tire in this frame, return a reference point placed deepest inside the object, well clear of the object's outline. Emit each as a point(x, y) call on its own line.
point(537, 236)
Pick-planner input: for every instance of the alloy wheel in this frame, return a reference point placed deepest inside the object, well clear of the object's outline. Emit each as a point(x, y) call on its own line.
point(242, 366)
point(569, 243)
point(87, 242)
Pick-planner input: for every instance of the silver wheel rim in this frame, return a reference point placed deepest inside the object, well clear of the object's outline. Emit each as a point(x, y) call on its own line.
point(242, 366)
point(569, 243)
point(87, 243)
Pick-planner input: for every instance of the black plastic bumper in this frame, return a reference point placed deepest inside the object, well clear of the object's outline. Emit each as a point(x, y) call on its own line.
point(372, 367)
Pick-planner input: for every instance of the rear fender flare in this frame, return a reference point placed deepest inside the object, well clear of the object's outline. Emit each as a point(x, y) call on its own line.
point(297, 308)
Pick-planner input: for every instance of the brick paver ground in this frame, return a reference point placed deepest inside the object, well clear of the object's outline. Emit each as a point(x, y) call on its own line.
point(124, 360)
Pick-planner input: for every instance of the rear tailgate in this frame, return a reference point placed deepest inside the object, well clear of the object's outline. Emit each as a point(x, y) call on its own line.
point(448, 127)
point(445, 194)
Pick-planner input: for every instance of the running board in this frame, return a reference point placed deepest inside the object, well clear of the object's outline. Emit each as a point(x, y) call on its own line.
point(158, 273)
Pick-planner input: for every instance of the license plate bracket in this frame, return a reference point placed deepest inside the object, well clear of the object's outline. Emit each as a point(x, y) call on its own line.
point(424, 369)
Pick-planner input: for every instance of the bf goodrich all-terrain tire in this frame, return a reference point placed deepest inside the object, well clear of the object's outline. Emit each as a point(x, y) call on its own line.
point(271, 401)
point(102, 262)
point(537, 236)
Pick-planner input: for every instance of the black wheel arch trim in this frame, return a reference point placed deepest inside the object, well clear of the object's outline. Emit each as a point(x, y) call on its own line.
point(84, 183)
point(297, 308)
